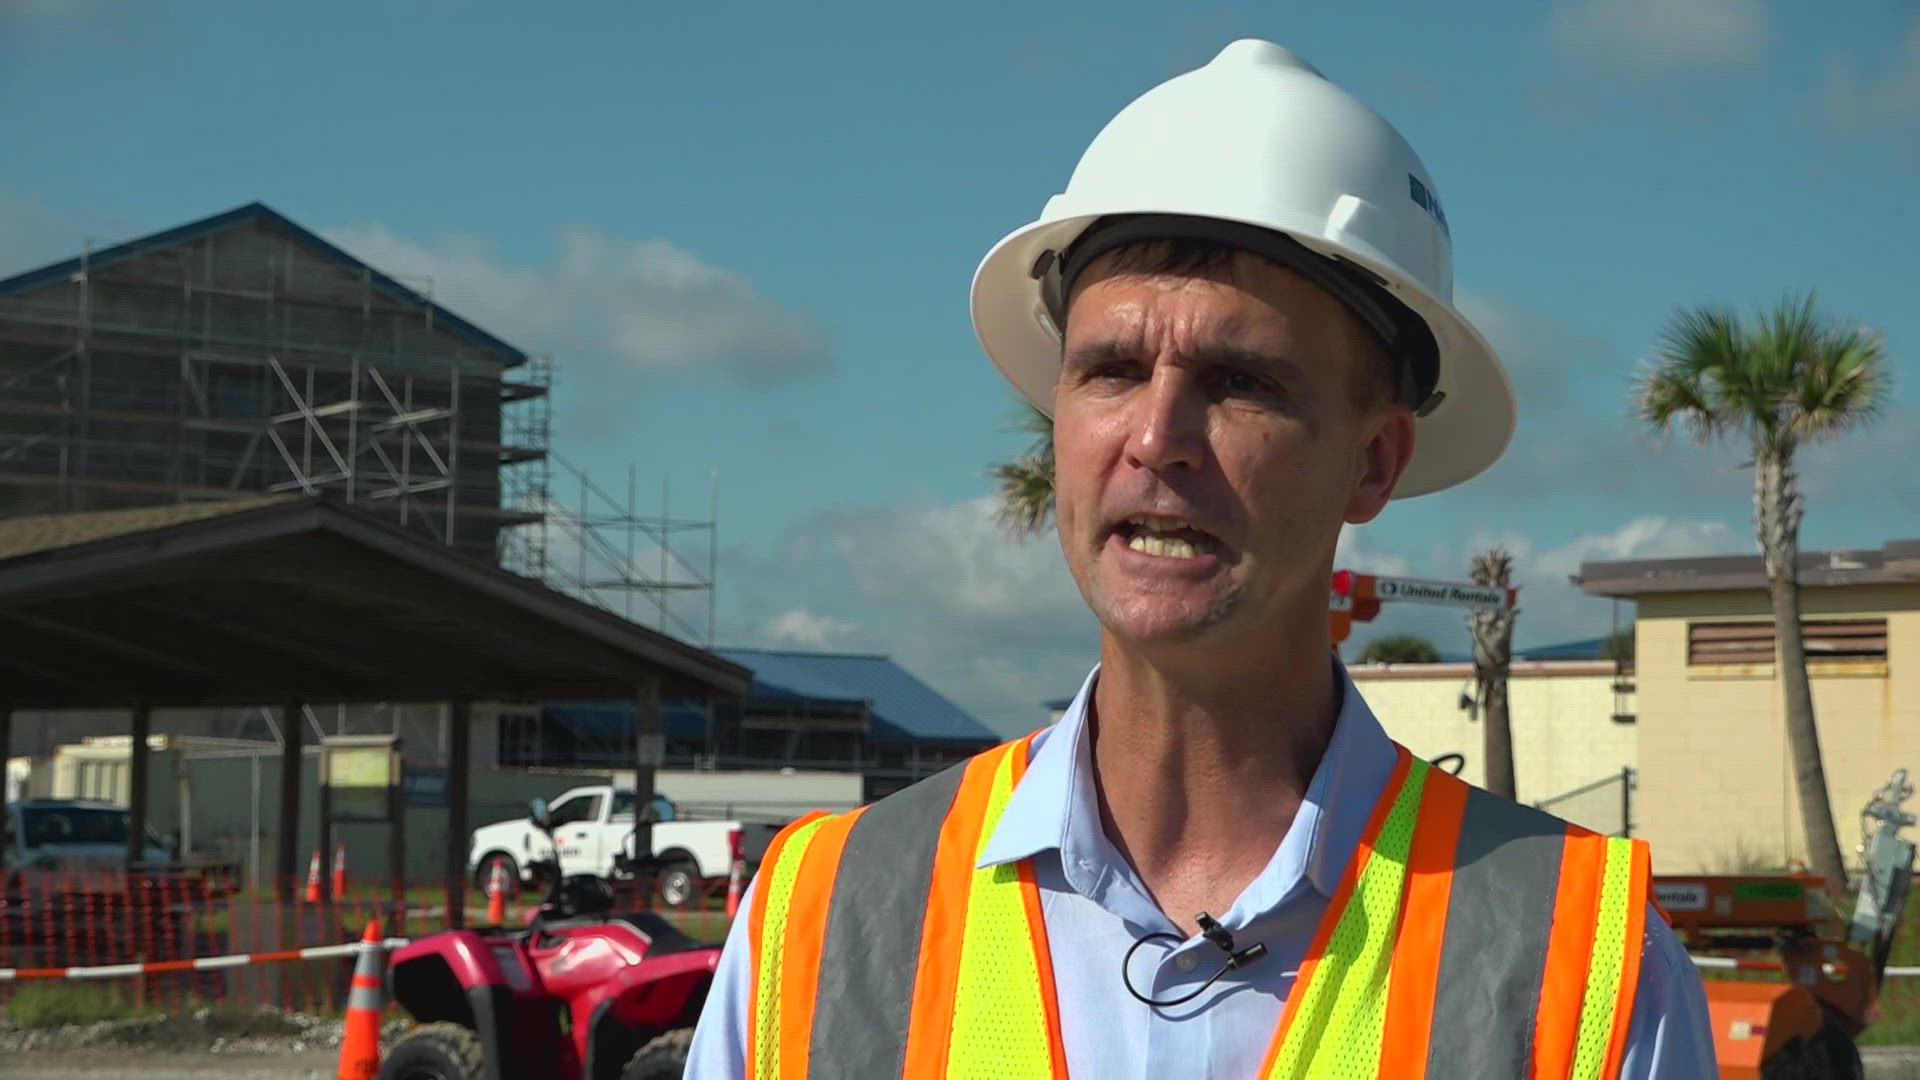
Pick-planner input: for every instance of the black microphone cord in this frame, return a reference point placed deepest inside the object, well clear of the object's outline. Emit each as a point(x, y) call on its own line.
point(1212, 931)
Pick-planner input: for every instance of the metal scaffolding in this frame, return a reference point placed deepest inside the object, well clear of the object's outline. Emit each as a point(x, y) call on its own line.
point(238, 361)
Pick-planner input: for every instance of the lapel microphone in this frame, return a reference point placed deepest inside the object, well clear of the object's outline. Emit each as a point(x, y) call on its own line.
point(1212, 931)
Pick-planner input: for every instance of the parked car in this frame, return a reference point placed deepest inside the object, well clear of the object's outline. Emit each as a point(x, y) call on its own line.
point(71, 835)
point(593, 830)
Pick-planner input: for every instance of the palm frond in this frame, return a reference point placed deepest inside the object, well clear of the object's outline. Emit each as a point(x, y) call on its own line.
point(1026, 494)
point(1844, 384)
point(1789, 376)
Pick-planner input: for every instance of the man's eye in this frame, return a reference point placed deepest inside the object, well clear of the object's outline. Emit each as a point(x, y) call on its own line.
point(1110, 370)
point(1243, 382)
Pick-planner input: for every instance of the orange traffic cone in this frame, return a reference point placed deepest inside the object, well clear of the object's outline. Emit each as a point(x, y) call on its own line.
point(339, 870)
point(360, 1042)
point(736, 883)
point(497, 894)
point(313, 879)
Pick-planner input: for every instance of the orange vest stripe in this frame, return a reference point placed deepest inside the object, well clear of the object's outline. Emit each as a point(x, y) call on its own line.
point(763, 1040)
point(1324, 933)
point(1042, 951)
point(806, 933)
point(1642, 873)
point(1416, 955)
point(1569, 950)
point(944, 926)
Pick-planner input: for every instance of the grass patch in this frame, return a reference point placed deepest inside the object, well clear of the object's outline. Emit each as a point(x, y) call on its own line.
point(54, 1004)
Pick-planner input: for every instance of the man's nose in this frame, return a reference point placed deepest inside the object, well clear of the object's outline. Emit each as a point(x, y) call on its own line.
point(1168, 428)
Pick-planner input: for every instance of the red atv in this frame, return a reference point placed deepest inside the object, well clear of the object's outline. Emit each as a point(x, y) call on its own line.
point(579, 993)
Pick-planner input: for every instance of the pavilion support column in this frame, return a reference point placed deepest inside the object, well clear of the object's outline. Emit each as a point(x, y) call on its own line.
point(647, 758)
point(6, 750)
point(137, 786)
point(459, 765)
point(293, 721)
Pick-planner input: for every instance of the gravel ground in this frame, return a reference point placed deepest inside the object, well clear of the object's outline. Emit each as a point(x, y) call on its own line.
point(101, 1064)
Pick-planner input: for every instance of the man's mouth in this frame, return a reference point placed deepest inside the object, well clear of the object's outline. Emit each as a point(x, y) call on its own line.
point(1166, 537)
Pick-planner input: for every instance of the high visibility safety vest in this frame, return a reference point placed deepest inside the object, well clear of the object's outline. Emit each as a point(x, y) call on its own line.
point(1469, 938)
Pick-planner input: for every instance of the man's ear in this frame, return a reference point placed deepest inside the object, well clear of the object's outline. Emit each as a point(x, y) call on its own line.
point(1379, 462)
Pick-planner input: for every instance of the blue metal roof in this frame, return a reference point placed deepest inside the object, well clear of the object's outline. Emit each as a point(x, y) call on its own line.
point(903, 709)
point(258, 212)
point(1589, 649)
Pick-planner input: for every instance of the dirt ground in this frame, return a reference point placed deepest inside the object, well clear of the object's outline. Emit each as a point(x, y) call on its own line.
point(101, 1064)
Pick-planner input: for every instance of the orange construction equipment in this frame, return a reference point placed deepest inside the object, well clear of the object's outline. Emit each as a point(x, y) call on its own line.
point(736, 883)
point(339, 870)
point(360, 1042)
point(313, 879)
point(497, 894)
point(1806, 1024)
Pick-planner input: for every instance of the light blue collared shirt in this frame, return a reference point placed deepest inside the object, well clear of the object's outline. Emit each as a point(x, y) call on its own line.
point(1095, 909)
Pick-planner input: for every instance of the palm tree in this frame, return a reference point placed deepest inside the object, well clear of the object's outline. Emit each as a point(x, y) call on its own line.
point(1026, 482)
point(1492, 660)
point(1400, 649)
point(1787, 379)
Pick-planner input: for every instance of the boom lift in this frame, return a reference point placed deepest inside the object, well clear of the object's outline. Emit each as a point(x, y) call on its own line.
point(1805, 1026)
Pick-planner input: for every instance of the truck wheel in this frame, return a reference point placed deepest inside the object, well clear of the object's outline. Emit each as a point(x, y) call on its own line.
point(435, 1052)
point(665, 1058)
point(484, 875)
point(679, 884)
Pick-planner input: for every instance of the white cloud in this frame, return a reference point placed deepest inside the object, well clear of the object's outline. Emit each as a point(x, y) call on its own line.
point(992, 622)
point(631, 306)
point(1859, 97)
point(798, 626)
point(1644, 34)
point(1641, 538)
point(1353, 552)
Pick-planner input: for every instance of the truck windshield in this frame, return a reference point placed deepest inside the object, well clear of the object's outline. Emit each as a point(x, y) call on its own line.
point(623, 806)
point(72, 825)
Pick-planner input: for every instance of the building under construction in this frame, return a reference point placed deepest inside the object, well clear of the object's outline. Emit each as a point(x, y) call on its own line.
point(243, 353)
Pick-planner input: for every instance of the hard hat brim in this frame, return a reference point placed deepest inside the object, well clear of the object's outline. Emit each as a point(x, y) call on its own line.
point(1461, 438)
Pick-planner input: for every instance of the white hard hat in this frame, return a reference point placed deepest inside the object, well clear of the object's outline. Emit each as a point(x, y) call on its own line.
point(1260, 138)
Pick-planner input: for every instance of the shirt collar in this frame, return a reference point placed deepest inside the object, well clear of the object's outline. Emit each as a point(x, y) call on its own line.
point(1054, 807)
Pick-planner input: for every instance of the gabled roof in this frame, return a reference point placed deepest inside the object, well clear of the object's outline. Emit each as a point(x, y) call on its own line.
point(903, 709)
point(261, 213)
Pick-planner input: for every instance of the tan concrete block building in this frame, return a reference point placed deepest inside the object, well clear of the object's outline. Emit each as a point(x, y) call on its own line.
point(1573, 728)
point(1716, 783)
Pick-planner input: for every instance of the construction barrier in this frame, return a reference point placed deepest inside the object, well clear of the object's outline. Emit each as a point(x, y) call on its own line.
point(186, 940)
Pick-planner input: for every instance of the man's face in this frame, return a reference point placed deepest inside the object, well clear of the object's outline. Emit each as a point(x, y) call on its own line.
point(1208, 446)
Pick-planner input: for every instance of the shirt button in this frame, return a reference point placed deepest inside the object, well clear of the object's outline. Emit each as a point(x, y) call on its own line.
point(1186, 962)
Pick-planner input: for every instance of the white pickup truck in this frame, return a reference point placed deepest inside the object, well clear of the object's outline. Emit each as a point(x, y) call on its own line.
point(593, 825)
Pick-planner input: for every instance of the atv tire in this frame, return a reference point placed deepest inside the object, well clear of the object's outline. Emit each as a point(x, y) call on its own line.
point(435, 1052)
point(665, 1058)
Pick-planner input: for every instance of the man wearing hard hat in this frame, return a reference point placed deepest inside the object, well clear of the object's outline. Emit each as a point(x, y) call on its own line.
point(1217, 864)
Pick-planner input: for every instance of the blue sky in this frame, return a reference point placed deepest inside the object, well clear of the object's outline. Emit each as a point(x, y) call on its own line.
point(745, 233)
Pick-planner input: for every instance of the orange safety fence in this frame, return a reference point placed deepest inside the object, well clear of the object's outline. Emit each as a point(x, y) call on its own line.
point(161, 922)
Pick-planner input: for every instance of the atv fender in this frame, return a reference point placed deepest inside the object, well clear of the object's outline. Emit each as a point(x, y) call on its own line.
point(656, 997)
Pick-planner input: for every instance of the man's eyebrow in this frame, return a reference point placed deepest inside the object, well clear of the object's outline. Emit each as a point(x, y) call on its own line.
point(1088, 354)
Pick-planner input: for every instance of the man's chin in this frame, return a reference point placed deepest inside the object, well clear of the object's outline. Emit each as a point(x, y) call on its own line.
point(1160, 624)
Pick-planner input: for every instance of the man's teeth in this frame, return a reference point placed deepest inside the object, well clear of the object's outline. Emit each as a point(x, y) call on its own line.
point(1170, 547)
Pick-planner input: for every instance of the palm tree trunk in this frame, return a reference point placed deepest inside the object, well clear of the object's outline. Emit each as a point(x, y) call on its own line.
point(1777, 511)
point(1492, 661)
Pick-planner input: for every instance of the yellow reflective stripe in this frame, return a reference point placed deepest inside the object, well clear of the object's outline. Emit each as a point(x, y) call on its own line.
point(1335, 1034)
point(999, 1017)
point(1610, 946)
point(779, 878)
